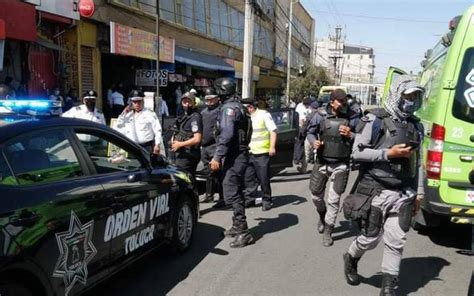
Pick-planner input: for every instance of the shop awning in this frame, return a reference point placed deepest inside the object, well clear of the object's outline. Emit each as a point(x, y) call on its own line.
point(201, 60)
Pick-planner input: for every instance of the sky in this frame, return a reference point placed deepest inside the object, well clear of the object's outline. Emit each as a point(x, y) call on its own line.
point(399, 31)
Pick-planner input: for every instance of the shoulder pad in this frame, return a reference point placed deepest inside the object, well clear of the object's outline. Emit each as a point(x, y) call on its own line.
point(379, 112)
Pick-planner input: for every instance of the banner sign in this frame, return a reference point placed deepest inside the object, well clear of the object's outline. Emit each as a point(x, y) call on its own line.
point(148, 77)
point(138, 43)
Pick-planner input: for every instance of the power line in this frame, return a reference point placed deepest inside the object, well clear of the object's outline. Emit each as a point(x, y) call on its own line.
point(294, 26)
point(384, 18)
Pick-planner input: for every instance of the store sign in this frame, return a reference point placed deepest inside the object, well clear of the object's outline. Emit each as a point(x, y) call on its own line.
point(148, 77)
point(138, 43)
point(86, 8)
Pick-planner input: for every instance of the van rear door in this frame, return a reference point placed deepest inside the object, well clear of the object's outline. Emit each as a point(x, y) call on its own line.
point(458, 152)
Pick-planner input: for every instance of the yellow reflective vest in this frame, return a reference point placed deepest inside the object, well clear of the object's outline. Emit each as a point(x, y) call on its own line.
point(260, 141)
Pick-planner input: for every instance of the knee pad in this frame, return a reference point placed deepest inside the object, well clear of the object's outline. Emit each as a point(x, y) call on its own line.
point(317, 181)
point(404, 216)
point(340, 182)
point(374, 223)
point(319, 204)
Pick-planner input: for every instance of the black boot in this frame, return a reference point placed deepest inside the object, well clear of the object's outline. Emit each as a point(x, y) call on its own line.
point(207, 198)
point(350, 269)
point(243, 237)
point(389, 284)
point(321, 222)
point(327, 235)
point(231, 232)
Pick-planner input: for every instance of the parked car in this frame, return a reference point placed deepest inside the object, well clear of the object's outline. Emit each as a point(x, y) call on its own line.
point(80, 201)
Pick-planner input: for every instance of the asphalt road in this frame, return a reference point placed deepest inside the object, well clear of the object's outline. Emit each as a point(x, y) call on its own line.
point(288, 257)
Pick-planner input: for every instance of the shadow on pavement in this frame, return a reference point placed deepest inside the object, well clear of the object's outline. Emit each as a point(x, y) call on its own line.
point(450, 235)
point(271, 225)
point(346, 229)
point(282, 200)
point(161, 269)
point(415, 273)
point(280, 180)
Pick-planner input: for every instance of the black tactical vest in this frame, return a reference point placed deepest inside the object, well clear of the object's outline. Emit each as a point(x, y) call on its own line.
point(398, 172)
point(179, 133)
point(243, 124)
point(336, 147)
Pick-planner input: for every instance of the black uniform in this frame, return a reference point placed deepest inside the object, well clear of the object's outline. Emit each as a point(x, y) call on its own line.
point(185, 127)
point(208, 148)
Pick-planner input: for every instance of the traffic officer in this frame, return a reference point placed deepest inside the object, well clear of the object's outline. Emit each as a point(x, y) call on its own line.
point(187, 135)
point(388, 147)
point(208, 144)
point(262, 147)
point(141, 124)
point(234, 132)
point(87, 111)
point(330, 132)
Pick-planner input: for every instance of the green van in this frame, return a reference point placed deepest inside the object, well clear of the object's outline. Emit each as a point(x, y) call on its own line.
point(448, 118)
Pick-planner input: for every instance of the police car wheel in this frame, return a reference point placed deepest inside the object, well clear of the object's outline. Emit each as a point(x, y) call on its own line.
point(184, 223)
point(14, 289)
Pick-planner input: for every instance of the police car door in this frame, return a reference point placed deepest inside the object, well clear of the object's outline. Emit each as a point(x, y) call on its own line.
point(52, 211)
point(135, 199)
point(286, 125)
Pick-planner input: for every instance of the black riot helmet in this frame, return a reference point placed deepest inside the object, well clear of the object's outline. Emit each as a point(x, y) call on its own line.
point(225, 87)
point(209, 91)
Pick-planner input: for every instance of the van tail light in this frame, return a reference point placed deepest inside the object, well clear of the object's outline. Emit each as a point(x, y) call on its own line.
point(435, 152)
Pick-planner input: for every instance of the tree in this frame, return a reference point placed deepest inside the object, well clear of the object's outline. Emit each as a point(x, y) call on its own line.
point(309, 83)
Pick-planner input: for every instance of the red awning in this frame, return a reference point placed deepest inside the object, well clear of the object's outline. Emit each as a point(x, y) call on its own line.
point(20, 20)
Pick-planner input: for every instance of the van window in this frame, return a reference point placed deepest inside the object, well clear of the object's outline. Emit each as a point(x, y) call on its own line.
point(463, 106)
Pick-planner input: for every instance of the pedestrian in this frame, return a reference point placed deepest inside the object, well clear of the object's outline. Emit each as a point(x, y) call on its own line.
point(331, 134)
point(262, 147)
point(302, 109)
point(309, 151)
point(234, 132)
point(208, 146)
point(187, 136)
point(56, 97)
point(71, 99)
point(141, 124)
point(388, 147)
point(116, 102)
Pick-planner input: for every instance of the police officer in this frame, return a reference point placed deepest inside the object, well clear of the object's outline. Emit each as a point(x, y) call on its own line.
point(330, 132)
point(234, 132)
point(87, 110)
point(208, 144)
point(141, 124)
point(388, 147)
point(187, 135)
point(262, 147)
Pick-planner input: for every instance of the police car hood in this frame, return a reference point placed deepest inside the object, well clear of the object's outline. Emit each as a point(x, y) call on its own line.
point(400, 85)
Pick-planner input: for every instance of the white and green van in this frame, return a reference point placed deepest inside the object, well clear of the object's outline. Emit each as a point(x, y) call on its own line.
point(448, 118)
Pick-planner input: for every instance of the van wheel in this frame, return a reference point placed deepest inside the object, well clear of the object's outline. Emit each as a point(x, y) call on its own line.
point(183, 225)
point(424, 221)
point(15, 289)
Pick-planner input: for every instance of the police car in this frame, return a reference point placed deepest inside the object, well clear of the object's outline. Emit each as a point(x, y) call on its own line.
point(79, 201)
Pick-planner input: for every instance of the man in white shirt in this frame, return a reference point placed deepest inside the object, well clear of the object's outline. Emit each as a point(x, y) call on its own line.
point(116, 103)
point(303, 110)
point(87, 111)
point(141, 124)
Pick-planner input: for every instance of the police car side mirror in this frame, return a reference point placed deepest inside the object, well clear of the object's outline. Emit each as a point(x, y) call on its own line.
point(157, 160)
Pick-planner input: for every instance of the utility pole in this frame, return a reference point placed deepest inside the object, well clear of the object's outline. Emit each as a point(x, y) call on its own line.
point(288, 70)
point(360, 71)
point(157, 97)
point(336, 55)
point(247, 77)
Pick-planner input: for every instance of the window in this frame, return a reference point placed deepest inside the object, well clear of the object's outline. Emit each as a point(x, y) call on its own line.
point(108, 156)
point(463, 105)
point(200, 15)
point(42, 158)
point(6, 176)
point(214, 19)
point(188, 18)
point(224, 16)
point(167, 10)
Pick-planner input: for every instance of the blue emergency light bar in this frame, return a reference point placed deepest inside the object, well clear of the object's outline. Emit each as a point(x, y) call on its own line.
point(30, 104)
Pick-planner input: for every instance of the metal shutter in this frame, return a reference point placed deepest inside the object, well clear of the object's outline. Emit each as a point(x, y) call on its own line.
point(87, 73)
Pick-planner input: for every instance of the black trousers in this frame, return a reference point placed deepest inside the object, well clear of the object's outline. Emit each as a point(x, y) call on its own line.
point(299, 149)
point(149, 146)
point(117, 110)
point(214, 179)
point(234, 171)
point(258, 173)
point(188, 161)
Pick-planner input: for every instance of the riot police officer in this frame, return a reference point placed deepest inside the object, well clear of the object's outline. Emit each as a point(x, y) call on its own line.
point(330, 132)
point(388, 147)
point(232, 153)
point(187, 135)
point(208, 144)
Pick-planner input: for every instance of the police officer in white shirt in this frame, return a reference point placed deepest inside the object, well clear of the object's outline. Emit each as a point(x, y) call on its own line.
point(141, 124)
point(86, 111)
